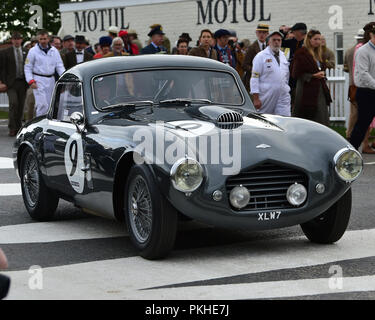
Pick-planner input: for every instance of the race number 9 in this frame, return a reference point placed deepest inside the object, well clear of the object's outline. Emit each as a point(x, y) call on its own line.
point(74, 161)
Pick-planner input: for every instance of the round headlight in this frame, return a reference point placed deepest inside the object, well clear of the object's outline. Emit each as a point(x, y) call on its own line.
point(187, 175)
point(348, 164)
point(296, 194)
point(239, 197)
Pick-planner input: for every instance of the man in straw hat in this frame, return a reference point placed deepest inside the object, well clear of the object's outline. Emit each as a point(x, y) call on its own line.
point(262, 32)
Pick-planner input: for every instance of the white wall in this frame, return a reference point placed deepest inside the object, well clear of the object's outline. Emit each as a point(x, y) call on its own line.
point(182, 16)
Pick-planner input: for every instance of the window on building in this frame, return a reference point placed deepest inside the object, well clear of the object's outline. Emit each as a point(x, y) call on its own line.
point(339, 48)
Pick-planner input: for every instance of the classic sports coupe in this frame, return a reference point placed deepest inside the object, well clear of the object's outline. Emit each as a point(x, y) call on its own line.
point(151, 139)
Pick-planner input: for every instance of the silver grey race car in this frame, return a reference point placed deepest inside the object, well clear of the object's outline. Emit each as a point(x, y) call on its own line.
point(150, 139)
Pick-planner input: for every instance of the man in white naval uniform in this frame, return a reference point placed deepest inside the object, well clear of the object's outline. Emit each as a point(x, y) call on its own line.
point(41, 63)
point(269, 79)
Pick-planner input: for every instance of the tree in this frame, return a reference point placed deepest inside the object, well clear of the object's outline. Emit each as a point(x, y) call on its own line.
point(15, 16)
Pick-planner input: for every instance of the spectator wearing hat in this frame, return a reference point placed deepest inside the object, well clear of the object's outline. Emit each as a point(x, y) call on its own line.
point(204, 48)
point(157, 38)
point(12, 61)
point(262, 32)
point(105, 47)
point(299, 31)
point(129, 47)
point(113, 32)
point(166, 42)
point(117, 48)
point(79, 55)
point(270, 77)
point(184, 36)
point(364, 79)
point(223, 51)
point(68, 45)
point(133, 37)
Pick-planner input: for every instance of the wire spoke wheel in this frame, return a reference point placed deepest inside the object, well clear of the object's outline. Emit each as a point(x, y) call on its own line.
point(140, 209)
point(30, 178)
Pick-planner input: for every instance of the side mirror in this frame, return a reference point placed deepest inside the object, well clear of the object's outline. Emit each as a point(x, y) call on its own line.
point(78, 120)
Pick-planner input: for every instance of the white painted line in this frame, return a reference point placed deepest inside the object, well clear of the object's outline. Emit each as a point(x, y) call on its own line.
point(10, 189)
point(123, 278)
point(6, 163)
point(92, 228)
point(370, 163)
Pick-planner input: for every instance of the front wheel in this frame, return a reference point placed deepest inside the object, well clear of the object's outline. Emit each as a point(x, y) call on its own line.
point(40, 201)
point(332, 224)
point(150, 218)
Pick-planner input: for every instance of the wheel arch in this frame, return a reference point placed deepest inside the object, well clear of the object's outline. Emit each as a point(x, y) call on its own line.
point(24, 145)
point(121, 174)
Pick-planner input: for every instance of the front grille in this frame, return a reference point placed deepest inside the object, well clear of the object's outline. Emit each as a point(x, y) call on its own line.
point(268, 185)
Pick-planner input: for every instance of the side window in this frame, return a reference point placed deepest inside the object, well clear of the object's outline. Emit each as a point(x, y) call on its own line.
point(68, 99)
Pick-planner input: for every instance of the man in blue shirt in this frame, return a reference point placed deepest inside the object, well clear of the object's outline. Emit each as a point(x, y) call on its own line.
point(224, 53)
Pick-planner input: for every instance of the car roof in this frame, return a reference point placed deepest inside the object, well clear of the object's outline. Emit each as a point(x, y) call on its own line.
point(93, 68)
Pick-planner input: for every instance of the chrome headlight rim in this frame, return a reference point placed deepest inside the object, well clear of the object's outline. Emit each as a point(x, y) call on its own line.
point(174, 169)
point(337, 157)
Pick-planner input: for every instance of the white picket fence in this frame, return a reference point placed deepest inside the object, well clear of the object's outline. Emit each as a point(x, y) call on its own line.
point(338, 83)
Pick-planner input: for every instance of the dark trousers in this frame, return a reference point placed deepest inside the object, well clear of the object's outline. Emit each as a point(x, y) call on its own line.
point(16, 97)
point(366, 112)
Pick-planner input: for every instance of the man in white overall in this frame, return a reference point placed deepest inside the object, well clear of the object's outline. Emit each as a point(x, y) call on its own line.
point(269, 79)
point(41, 63)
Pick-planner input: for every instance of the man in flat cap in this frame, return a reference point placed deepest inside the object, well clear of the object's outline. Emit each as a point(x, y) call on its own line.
point(12, 61)
point(156, 45)
point(68, 45)
point(78, 55)
point(262, 32)
point(269, 79)
point(299, 31)
point(224, 52)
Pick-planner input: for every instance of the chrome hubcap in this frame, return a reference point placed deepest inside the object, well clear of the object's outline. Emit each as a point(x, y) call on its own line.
point(140, 209)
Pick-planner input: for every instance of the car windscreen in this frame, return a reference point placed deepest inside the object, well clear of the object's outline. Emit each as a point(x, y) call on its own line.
point(159, 85)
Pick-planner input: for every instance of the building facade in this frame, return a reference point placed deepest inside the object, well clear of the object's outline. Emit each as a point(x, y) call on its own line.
point(338, 20)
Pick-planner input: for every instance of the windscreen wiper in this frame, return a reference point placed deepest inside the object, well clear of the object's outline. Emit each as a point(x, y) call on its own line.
point(128, 104)
point(184, 101)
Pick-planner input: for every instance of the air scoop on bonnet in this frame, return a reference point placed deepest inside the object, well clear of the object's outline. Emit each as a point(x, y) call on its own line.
point(221, 116)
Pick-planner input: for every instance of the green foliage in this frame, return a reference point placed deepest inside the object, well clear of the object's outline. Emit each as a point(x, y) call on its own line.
point(15, 16)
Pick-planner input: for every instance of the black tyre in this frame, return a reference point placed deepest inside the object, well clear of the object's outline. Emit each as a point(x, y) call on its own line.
point(151, 220)
point(40, 201)
point(332, 224)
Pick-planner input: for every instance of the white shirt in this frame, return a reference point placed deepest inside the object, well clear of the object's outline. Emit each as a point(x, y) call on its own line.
point(261, 45)
point(38, 61)
point(19, 69)
point(80, 56)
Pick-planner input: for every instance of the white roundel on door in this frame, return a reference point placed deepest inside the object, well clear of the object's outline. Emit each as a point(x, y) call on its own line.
point(74, 162)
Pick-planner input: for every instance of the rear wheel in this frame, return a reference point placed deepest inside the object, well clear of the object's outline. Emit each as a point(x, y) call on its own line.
point(332, 224)
point(151, 220)
point(40, 201)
